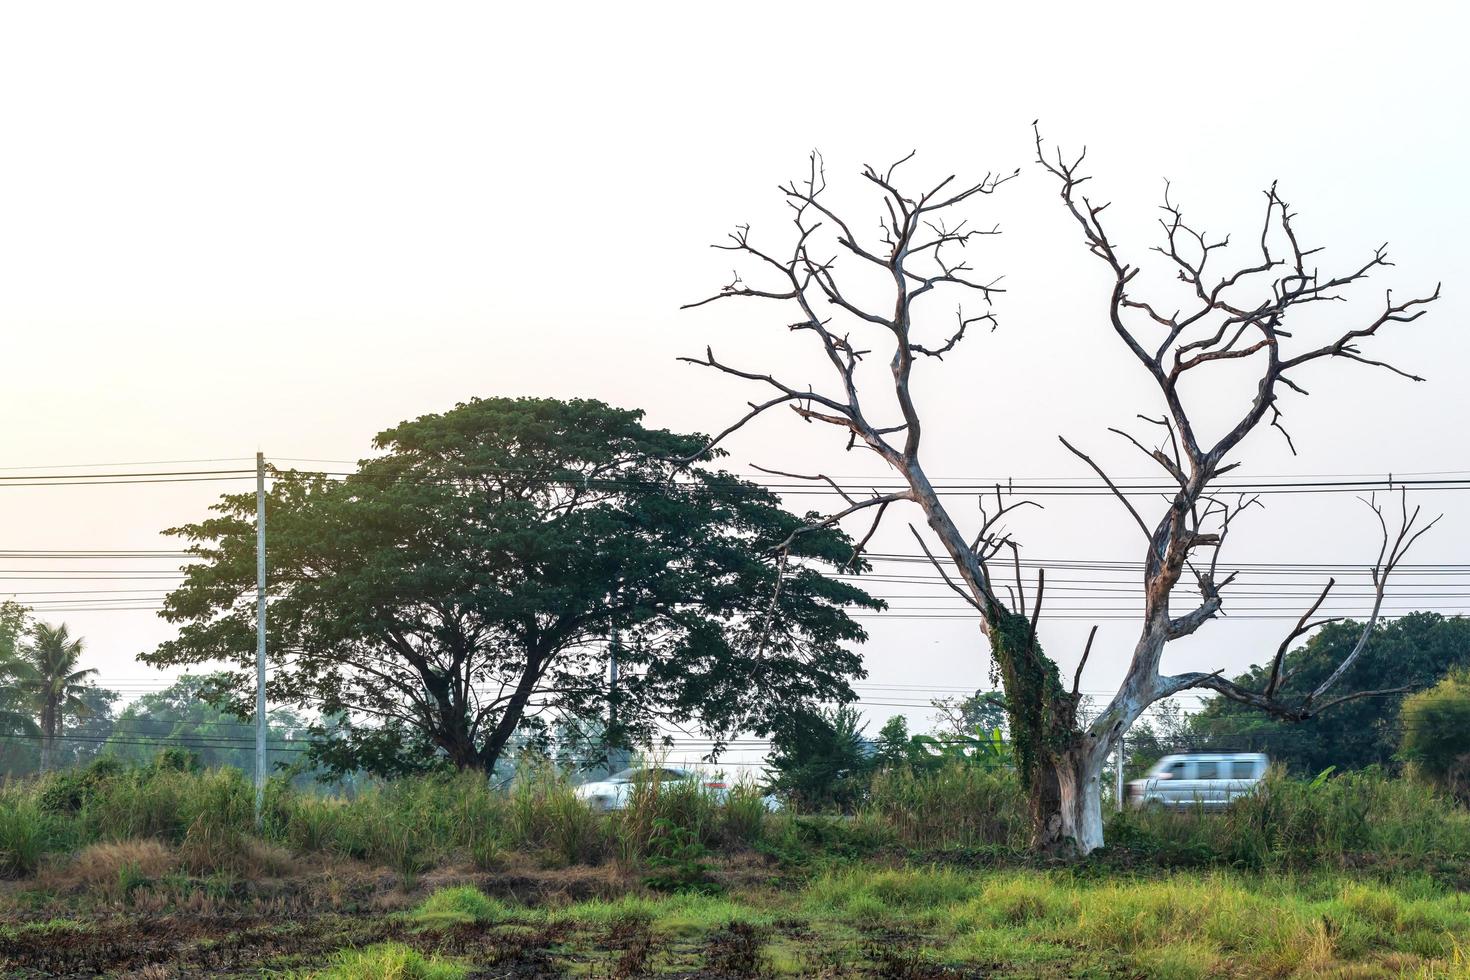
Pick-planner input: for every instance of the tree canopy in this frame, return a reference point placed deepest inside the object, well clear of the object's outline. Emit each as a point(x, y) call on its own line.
point(472, 575)
point(1437, 733)
point(181, 716)
point(1413, 652)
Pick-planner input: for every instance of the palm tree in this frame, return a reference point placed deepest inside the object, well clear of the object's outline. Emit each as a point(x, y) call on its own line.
point(15, 698)
point(53, 684)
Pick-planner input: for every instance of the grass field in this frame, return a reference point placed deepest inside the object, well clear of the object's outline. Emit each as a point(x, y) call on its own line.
point(865, 920)
point(157, 873)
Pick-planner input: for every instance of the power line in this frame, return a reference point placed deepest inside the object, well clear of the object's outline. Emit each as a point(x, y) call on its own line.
point(1011, 486)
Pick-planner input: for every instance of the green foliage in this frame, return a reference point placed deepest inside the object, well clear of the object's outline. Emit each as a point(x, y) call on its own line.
point(1413, 651)
point(927, 753)
point(1436, 725)
point(68, 791)
point(45, 694)
point(1034, 694)
point(964, 812)
point(1291, 823)
point(388, 961)
point(464, 905)
point(496, 547)
point(982, 713)
point(16, 714)
point(190, 712)
point(678, 860)
point(958, 804)
point(820, 759)
point(25, 834)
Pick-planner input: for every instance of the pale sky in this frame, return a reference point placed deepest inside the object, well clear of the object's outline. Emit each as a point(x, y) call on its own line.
point(286, 226)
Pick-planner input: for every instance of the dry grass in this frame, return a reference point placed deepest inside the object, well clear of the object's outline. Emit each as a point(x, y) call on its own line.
point(106, 866)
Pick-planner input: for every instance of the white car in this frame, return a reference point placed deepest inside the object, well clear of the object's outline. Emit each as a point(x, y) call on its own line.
point(1210, 781)
point(615, 792)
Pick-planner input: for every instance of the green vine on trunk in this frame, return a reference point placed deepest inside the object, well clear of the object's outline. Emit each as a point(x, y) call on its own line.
point(1040, 709)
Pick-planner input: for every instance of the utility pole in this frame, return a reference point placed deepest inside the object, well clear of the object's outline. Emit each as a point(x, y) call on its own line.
point(260, 756)
point(1118, 756)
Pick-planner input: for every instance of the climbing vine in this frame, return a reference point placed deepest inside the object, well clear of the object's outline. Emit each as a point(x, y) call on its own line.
point(1040, 708)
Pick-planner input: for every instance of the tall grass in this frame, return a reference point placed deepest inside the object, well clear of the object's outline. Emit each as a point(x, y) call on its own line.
point(1292, 823)
point(26, 833)
point(956, 806)
point(412, 825)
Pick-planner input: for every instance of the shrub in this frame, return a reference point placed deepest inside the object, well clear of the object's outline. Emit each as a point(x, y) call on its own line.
point(743, 818)
point(679, 861)
point(69, 791)
point(1436, 727)
point(686, 804)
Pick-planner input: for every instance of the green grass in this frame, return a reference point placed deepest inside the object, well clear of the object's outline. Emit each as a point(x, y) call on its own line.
point(25, 834)
point(387, 961)
point(885, 920)
point(1182, 924)
point(864, 919)
point(464, 905)
point(685, 914)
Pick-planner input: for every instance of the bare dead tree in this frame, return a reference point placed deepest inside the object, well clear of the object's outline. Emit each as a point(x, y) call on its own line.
point(917, 252)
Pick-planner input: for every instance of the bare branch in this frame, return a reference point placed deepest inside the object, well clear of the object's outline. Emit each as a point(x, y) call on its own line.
point(942, 573)
point(1111, 486)
point(1086, 652)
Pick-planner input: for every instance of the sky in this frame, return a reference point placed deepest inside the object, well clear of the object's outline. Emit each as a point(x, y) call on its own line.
point(283, 227)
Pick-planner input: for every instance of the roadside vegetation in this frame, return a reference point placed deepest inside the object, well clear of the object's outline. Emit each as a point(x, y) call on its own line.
point(440, 876)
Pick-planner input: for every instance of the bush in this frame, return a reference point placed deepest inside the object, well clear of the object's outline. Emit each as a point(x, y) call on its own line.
point(1436, 727)
point(69, 791)
point(678, 861)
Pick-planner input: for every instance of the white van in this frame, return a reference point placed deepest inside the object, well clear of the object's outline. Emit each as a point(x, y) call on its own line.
point(1207, 780)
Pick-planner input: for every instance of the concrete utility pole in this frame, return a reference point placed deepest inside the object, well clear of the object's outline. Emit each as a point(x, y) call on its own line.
point(1118, 756)
point(260, 729)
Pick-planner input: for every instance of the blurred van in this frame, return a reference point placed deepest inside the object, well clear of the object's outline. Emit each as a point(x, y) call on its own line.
point(1208, 780)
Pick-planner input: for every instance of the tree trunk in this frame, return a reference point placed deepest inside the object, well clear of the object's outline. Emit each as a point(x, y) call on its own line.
point(48, 735)
point(1066, 803)
point(1059, 765)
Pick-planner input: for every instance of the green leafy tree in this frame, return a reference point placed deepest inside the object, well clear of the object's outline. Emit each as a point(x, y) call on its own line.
point(18, 728)
point(895, 745)
point(1414, 652)
point(1437, 733)
point(16, 717)
point(821, 759)
point(183, 715)
point(471, 576)
point(981, 713)
point(922, 753)
point(1167, 729)
point(54, 684)
point(88, 732)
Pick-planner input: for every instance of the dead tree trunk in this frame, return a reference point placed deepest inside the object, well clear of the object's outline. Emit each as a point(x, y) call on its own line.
point(1239, 315)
